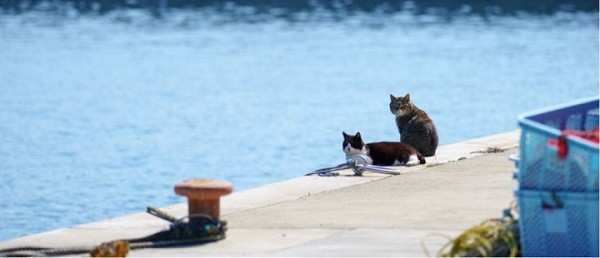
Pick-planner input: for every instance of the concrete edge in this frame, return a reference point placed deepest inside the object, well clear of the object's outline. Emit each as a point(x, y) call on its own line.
point(296, 188)
point(303, 186)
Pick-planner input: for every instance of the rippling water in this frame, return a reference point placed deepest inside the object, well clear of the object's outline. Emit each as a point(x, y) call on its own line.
point(101, 114)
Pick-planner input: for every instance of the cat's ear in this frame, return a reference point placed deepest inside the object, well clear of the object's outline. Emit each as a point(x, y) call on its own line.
point(392, 98)
point(357, 135)
point(407, 97)
point(345, 135)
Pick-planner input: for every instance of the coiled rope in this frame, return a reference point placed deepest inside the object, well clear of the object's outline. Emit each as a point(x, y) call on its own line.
point(492, 237)
point(203, 229)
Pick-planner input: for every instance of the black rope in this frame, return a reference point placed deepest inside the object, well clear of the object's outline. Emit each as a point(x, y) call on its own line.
point(202, 229)
point(26, 251)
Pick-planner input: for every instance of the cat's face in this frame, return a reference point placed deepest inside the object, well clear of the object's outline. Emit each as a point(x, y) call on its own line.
point(401, 105)
point(352, 145)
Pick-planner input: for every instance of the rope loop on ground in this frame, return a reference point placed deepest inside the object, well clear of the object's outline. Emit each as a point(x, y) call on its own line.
point(202, 229)
point(492, 237)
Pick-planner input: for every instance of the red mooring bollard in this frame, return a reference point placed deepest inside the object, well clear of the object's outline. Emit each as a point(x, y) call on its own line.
point(203, 196)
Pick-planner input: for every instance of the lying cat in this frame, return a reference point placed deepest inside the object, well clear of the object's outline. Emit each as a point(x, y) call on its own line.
point(382, 153)
point(414, 125)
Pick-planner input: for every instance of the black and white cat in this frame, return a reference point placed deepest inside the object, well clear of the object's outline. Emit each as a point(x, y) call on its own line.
point(381, 153)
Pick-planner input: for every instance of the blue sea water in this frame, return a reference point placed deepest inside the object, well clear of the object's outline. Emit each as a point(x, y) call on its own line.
point(100, 115)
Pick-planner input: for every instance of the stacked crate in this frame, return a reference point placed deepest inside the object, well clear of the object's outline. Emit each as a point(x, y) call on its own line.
point(558, 181)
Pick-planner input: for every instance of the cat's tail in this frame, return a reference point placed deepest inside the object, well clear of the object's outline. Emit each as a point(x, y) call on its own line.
point(421, 158)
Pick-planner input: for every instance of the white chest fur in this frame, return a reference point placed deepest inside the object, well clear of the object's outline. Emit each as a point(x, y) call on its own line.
point(361, 155)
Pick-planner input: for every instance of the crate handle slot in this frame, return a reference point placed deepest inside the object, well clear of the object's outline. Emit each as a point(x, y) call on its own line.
point(557, 203)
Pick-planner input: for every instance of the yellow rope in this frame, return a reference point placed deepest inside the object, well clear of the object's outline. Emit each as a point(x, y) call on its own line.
point(490, 238)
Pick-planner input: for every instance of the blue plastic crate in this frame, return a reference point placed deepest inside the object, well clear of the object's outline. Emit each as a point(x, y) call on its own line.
point(538, 166)
point(558, 223)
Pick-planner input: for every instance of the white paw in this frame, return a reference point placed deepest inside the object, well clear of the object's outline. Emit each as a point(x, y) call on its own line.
point(413, 161)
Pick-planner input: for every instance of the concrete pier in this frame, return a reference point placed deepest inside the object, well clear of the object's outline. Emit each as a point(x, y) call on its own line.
point(371, 215)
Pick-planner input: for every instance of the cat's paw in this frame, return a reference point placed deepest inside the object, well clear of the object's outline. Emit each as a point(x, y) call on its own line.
point(413, 160)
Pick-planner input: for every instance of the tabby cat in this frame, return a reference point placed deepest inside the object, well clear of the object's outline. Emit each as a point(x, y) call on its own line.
point(414, 125)
point(382, 153)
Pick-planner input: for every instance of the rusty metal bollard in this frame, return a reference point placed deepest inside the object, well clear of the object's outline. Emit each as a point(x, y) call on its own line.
point(203, 195)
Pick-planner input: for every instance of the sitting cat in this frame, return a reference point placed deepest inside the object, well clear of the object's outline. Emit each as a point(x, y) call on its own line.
point(382, 153)
point(414, 125)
